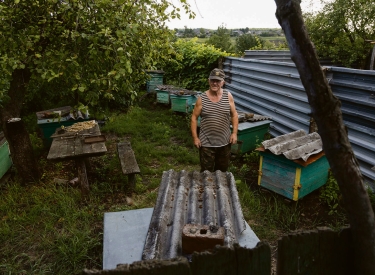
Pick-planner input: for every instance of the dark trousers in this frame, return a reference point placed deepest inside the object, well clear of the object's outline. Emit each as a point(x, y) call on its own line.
point(215, 158)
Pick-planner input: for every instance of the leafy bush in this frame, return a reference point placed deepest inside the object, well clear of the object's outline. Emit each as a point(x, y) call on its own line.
point(245, 42)
point(330, 194)
point(191, 63)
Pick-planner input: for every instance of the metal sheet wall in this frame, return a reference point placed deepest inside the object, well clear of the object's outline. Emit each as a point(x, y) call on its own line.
point(274, 89)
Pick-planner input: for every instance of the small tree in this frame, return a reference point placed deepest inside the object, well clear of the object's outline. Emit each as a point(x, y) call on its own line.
point(340, 30)
point(245, 42)
point(92, 51)
point(188, 32)
point(221, 39)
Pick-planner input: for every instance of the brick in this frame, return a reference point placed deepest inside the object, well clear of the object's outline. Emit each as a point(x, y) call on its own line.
point(201, 237)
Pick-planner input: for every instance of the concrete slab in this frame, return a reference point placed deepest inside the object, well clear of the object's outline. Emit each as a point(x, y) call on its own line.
point(125, 233)
point(124, 236)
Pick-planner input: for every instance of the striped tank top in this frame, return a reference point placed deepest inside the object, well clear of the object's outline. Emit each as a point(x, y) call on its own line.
point(215, 121)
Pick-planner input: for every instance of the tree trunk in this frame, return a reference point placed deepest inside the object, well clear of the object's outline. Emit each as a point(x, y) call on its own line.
point(22, 151)
point(327, 114)
point(15, 132)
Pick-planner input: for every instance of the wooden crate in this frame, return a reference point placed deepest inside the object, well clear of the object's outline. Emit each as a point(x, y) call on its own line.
point(292, 179)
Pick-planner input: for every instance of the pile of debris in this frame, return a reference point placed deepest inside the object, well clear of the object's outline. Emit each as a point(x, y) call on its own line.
point(242, 117)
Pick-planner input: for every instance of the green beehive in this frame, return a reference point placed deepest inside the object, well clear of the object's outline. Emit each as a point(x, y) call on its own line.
point(156, 78)
point(183, 103)
point(48, 126)
point(292, 179)
point(162, 96)
point(251, 134)
point(5, 160)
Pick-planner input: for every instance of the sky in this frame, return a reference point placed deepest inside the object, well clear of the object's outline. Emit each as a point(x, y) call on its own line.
point(233, 14)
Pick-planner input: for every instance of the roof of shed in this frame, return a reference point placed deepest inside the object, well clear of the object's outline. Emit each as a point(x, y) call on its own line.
point(295, 145)
point(192, 198)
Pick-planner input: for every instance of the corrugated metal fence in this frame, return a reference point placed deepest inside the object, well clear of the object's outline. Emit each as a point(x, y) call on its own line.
point(274, 89)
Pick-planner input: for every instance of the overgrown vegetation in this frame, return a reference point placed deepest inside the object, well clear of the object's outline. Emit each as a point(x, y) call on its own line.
point(48, 228)
point(191, 63)
point(342, 30)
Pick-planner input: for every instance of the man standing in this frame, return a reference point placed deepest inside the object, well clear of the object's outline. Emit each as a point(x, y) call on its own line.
point(217, 111)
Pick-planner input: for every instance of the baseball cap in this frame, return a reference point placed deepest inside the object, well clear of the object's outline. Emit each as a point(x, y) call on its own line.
point(217, 74)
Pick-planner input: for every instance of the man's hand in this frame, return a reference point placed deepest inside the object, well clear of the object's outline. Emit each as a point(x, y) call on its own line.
point(233, 138)
point(197, 142)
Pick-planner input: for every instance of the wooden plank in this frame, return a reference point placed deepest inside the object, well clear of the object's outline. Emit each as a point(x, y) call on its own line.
point(308, 252)
point(328, 259)
point(221, 261)
point(255, 261)
point(71, 145)
point(344, 249)
point(287, 259)
point(128, 162)
point(264, 262)
point(178, 266)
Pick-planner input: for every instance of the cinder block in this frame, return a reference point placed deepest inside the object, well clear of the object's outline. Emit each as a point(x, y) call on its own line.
point(201, 237)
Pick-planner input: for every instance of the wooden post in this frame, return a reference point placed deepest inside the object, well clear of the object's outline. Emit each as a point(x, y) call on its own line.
point(82, 176)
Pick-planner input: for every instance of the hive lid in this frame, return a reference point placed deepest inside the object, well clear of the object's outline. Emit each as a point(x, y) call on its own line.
point(295, 145)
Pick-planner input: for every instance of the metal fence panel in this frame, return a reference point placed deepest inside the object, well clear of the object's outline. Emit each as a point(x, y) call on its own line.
point(274, 89)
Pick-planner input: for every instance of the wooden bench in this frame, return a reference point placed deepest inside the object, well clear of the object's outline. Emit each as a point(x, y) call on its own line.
point(128, 162)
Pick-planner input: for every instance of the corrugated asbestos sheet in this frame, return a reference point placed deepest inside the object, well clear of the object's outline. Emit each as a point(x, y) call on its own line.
point(295, 145)
point(192, 198)
point(274, 89)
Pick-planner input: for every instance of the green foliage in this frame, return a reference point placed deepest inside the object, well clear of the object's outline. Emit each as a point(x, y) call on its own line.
point(252, 156)
point(330, 195)
point(37, 144)
point(340, 30)
point(190, 65)
point(188, 32)
point(90, 52)
point(221, 39)
point(245, 42)
point(262, 44)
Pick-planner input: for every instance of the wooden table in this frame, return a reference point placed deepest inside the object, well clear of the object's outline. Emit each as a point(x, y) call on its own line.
point(79, 146)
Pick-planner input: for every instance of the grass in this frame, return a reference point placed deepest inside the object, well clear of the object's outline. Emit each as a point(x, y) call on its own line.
point(48, 228)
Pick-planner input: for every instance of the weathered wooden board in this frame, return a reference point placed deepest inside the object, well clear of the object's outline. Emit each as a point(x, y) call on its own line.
point(129, 164)
point(72, 145)
point(320, 252)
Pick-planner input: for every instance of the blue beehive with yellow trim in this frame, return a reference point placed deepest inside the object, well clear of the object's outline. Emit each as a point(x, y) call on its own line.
point(293, 165)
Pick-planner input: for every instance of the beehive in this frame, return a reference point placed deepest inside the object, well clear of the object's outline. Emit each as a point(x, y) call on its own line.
point(48, 126)
point(251, 134)
point(293, 178)
point(5, 160)
point(162, 96)
point(183, 103)
point(156, 78)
